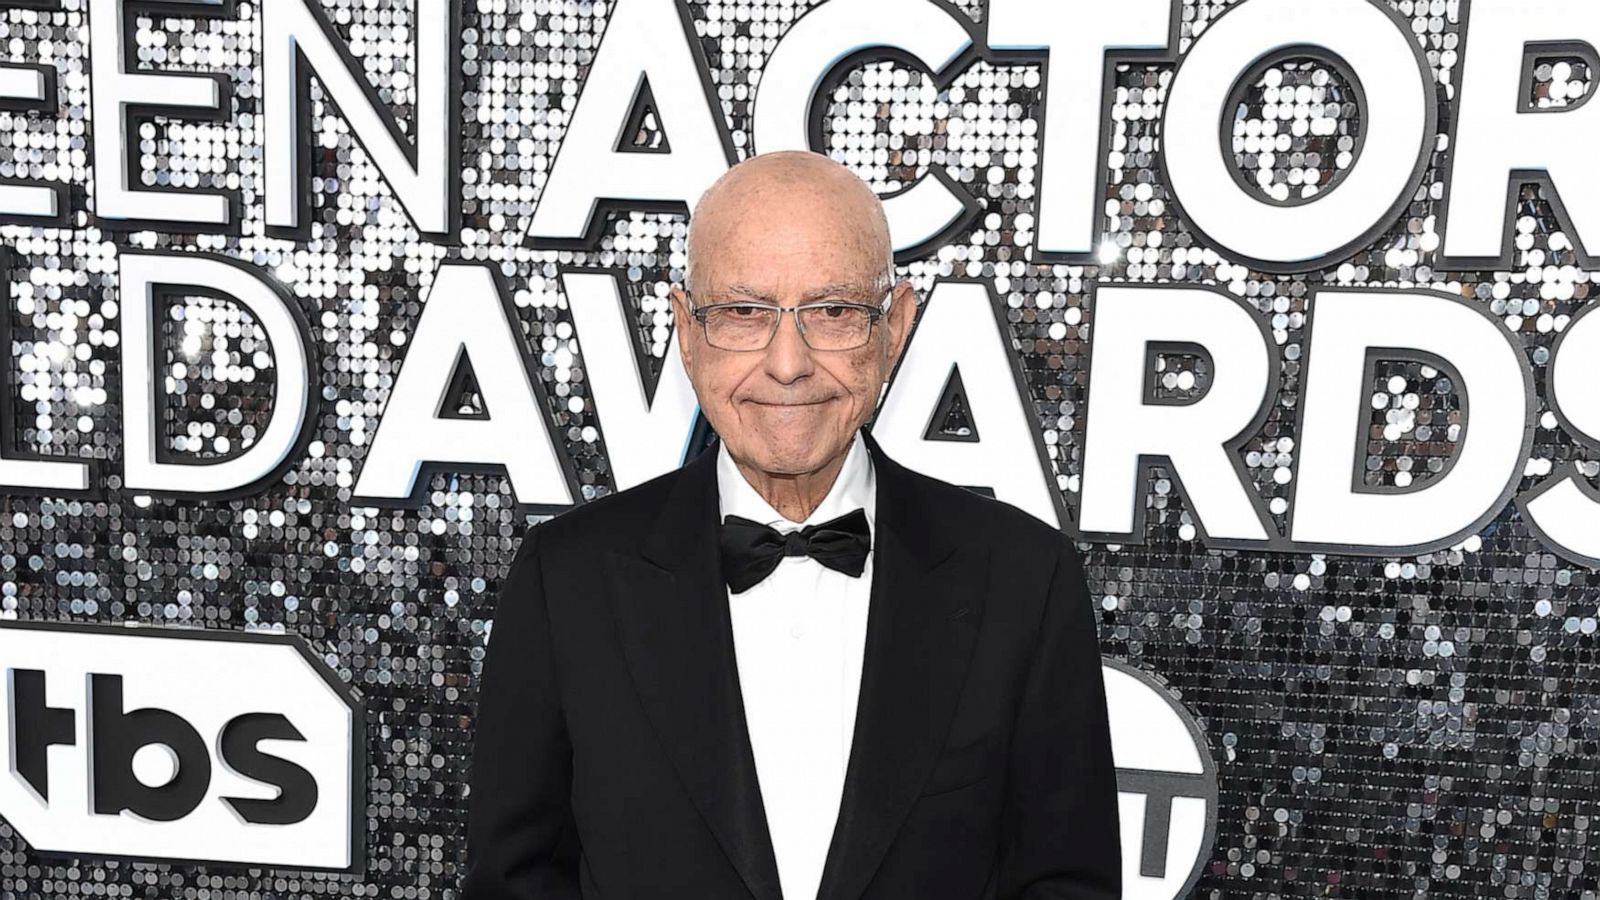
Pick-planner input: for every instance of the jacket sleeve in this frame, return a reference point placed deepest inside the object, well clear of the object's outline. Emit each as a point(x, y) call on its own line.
point(522, 843)
point(1060, 832)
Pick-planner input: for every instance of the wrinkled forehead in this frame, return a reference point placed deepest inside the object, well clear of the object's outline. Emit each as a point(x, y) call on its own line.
point(782, 240)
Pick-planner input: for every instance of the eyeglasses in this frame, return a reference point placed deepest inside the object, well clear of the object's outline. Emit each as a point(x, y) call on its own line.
point(824, 325)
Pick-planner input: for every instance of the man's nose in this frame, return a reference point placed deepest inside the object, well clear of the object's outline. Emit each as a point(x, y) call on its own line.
point(788, 358)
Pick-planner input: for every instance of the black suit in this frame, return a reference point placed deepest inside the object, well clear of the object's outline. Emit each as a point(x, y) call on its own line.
point(611, 757)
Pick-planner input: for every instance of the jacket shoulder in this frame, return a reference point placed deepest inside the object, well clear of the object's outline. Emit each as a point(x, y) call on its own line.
point(617, 519)
point(975, 514)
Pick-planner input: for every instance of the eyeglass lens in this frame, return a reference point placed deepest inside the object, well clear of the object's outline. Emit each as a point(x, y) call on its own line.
point(741, 326)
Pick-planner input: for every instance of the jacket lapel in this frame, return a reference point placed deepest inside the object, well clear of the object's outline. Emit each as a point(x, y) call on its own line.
point(672, 618)
point(927, 599)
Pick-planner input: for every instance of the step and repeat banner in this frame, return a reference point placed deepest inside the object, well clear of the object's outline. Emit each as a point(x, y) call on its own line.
point(1280, 307)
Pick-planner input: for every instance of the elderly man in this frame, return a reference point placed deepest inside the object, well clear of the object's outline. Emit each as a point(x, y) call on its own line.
point(793, 667)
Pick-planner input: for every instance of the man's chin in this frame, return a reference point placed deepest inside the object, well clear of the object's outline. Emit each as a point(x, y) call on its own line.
point(793, 452)
point(793, 426)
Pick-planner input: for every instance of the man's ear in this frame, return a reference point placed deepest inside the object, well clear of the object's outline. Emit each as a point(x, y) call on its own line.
point(902, 313)
point(683, 322)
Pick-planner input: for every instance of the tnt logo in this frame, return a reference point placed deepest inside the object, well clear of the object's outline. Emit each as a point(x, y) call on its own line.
point(1166, 785)
point(179, 745)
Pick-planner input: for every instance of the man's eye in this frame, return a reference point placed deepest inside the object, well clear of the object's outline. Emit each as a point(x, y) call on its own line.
point(744, 310)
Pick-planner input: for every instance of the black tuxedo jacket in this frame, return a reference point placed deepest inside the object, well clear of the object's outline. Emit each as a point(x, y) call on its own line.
point(611, 758)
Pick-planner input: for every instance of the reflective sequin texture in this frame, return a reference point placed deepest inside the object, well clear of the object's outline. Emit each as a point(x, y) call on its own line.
point(1413, 726)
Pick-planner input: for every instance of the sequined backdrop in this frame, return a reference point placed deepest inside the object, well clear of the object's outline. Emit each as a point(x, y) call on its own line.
point(1420, 726)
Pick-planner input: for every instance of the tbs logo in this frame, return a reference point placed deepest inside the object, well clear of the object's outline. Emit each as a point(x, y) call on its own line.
point(179, 745)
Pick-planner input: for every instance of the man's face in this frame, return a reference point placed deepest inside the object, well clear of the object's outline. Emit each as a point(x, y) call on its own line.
point(789, 409)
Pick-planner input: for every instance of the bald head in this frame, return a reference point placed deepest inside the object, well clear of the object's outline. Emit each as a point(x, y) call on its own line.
point(781, 191)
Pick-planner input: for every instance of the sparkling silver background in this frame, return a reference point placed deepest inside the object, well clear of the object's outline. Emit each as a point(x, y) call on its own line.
point(1408, 727)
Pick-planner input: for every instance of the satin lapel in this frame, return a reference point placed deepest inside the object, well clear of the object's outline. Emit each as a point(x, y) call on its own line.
point(926, 601)
point(671, 611)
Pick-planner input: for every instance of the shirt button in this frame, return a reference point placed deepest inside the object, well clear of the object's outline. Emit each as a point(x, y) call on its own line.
point(795, 630)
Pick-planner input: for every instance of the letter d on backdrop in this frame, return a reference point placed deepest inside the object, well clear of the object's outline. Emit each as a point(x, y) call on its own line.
point(147, 281)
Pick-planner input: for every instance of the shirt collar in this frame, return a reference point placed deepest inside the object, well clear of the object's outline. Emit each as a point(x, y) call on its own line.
point(854, 486)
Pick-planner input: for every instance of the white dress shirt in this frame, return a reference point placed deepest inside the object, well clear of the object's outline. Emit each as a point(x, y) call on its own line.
point(799, 636)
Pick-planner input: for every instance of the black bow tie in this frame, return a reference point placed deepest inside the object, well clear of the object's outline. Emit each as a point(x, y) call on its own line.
point(751, 550)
